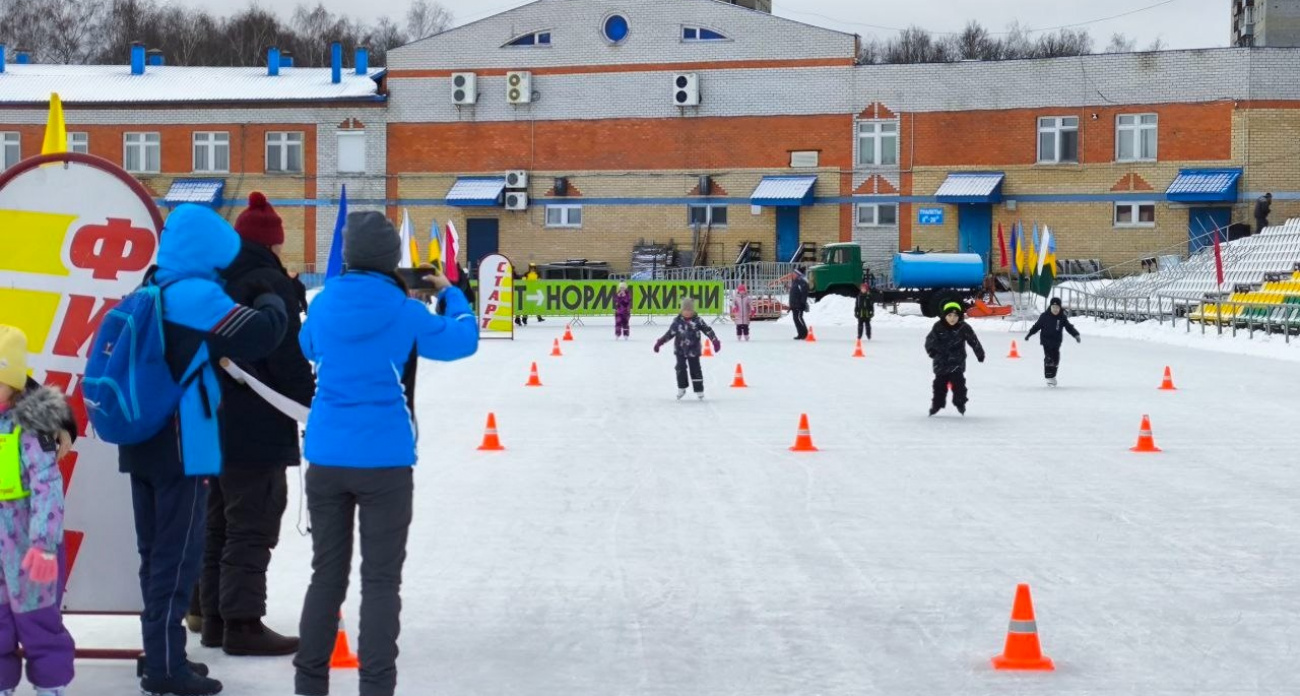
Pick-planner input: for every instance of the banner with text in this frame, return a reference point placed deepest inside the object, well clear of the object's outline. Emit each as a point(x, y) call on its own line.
point(594, 298)
point(496, 297)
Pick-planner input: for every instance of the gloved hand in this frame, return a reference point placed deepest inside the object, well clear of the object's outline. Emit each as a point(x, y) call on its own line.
point(1027, 339)
point(980, 357)
point(42, 568)
point(657, 346)
point(1078, 339)
point(717, 346)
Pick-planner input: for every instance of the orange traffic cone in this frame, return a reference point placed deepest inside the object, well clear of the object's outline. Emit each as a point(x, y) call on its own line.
point(491, 442)
point(803, 440)
point(555, 350)
point(568, 332)
point(1022, 651)
point(812, 337)
point(857, 350)
point(1146, 442)
point(708, 349)
point(1015, 352)
point(739, 381)
point(1168, 384)
point(533, 379)
point(343, 657)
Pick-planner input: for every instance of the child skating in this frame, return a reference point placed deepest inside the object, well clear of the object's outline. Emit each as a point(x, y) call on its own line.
point(1051, 327)
point(623, 312)
point(685, 334)
point(946, 346)
point(742, 310)
point(864, 310)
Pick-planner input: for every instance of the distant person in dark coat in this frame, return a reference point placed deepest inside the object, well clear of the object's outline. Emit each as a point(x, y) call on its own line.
point(1051, 327)
point(1263, 206)
point(799, 303)
point(864, 309)
point(946, 346)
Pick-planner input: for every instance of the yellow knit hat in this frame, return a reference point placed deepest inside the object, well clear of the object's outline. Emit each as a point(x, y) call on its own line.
point(13, 357)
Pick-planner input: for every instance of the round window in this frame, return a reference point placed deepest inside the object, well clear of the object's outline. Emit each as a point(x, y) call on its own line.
point(616, 28)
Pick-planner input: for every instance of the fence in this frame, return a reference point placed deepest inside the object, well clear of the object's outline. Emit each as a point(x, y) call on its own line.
point(760, 278)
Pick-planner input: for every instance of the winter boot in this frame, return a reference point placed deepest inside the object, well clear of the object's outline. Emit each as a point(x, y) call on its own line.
point(961, 409)
point(699, 395)
point(680, 393)
point(196, 667)
point(214, 632)
point(254, 639)
point(935, 410)
point(194, 622)
point(1051, 382)
point(186, 684)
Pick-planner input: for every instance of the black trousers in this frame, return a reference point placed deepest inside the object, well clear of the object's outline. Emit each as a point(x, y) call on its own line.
point(696, 373)
point(1051, 361)
point(801, 328)
point(245, 506)
point(1260, 224)
point(742, 330)
point(336, 498)
point(959, 394)
point(864, 325)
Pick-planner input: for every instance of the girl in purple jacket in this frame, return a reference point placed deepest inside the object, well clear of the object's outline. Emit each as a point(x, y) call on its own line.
point(623, 312)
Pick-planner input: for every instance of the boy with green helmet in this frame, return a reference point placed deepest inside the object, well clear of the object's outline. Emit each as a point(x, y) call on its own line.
point(946, 346)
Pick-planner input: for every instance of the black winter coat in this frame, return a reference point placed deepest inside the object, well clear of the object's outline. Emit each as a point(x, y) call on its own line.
point(685, 334)
point(865, 307)
point(1052, 328)
point(1262, 208)
point(799, 294)
point(946, 346)
point(253, 433)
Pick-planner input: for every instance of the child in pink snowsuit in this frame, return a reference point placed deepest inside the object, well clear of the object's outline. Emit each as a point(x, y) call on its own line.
point(742, 310)
point(32, 422)
point(623, 312)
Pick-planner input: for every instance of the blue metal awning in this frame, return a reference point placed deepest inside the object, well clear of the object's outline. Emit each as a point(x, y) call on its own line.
point(784, 191)
point(477, 192)
point(1205, 186)
point(202, 191)
point(971, 187)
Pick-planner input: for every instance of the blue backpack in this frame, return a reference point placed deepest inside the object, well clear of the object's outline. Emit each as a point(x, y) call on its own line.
point(129, 389)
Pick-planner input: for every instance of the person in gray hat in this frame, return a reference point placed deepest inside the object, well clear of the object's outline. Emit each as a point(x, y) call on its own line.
point(361, 443)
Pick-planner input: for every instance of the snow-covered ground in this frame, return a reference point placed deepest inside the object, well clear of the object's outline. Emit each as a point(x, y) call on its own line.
point(627, 543)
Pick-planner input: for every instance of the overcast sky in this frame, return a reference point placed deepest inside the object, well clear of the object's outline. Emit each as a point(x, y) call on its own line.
point(1180, 23)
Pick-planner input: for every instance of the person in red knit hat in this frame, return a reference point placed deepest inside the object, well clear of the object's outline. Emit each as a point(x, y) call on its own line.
point(258, 445)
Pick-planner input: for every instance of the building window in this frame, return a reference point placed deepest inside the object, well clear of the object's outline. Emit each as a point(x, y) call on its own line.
point(142, 153)
point(877, 215)
point(706, 215)
point(1135, 137)
point(284, 153)
point(10, 150)
point(564, 216)
point(616, 28)
point(878, 143)
point(537, 38)
point(701, 34)
point(1135, 214)
point(211, 152)
point(352, 152)
point(1058, 139)
point(79, 143)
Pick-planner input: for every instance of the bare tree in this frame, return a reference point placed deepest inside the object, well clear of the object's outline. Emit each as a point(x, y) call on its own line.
point(975, 43)
point(424, 19)
point(916, 45)
point(1119, 43)
point(1157, 45)
point(1065, 42)
point(1016, 43)
point(382, 38)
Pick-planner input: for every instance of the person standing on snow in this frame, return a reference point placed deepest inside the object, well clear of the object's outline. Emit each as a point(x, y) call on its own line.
point(1052, 326)
point(799, 292)
point(623, 312)
point(1263, 207)
point(246, 502)
point(170, 471)
point(863, 310)
point(742, 311)
point(685, 334)
point(946, 346)
point(365, 337)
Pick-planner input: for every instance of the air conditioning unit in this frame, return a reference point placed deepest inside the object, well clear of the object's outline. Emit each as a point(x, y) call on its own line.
point(516, 200)
point(519, 87)
point(517, 179)
point(686, 89)
point(464, 88)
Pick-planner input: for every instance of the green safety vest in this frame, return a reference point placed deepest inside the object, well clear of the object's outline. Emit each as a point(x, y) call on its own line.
point(11, 466)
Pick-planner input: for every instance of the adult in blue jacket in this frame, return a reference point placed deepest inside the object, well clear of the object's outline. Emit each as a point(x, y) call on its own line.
point(169, 472)
point(364, 335)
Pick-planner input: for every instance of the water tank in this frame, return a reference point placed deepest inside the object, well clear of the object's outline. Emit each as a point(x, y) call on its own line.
point(927, 271)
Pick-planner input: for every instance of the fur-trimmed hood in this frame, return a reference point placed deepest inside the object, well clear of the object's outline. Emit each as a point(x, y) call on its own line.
point(43, 410)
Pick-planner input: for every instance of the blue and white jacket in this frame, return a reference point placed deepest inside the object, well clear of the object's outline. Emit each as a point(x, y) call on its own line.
point(201, 325)
point(363, 334)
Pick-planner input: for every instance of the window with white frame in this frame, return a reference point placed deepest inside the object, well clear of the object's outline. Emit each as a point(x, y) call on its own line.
point(1135, 214)
point(211, 152)
point(10, 150)
point(878, 143)
point(877, 214)
point(284, 153)
point(352, 152)
point(1058, 139)
point(706, 215)
point(564, 216)
point(142, 153)
point(79, 143)
point(1135, 137)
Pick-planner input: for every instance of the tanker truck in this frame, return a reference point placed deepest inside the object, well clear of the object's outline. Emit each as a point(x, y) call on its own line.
point(928, 279)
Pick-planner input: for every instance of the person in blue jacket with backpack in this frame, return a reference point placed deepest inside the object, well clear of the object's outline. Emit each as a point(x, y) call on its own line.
point(170, 469)
point(364, 335)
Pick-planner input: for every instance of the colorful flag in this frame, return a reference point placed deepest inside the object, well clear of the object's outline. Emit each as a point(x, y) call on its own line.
point(410, 253)
point(435, 245)
point(1218, 255)
point(56, 131)
point(1031, 255)
point(1046, 276)
point(334, 267)
point(1002, 245)
point(1018, 251)
point(449, 252)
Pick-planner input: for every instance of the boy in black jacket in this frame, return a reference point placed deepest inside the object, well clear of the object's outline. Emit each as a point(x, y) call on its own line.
point(685, 335)
point(864, 309)
point(1052, 325)
point(946, 346)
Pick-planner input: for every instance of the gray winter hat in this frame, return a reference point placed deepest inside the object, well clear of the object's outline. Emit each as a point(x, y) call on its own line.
point(370, 242)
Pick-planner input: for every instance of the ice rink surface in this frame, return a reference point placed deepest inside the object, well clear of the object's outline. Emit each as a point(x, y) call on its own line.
point(630, 544)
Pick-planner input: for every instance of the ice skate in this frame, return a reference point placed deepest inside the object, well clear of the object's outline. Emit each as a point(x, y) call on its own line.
point(961, 409)
point(680, 393)
point(1051, 381)
point(935, 410)
point(700, 396)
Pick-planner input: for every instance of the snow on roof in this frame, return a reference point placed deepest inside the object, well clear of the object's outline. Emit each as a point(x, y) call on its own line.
point(100, 84)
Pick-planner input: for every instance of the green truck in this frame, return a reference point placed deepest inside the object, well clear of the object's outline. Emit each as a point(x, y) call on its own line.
point(930, 280)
